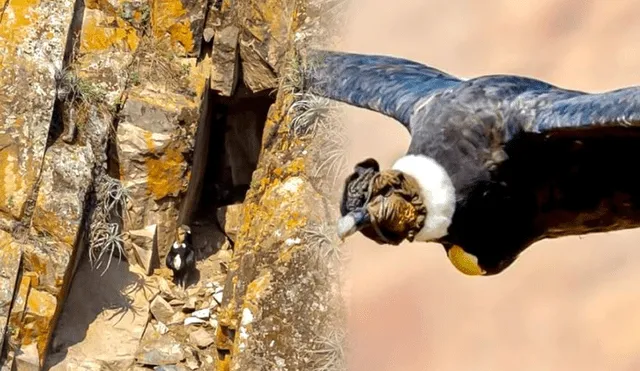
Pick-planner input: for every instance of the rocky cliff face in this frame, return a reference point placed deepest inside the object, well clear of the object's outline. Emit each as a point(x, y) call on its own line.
point(104, 109)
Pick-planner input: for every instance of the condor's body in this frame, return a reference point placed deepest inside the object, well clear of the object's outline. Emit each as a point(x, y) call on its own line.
point(181, 258)
point(546, 188)
point(503, 161)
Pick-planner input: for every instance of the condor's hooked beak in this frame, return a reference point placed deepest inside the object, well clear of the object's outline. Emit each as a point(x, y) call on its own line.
point(353, 222)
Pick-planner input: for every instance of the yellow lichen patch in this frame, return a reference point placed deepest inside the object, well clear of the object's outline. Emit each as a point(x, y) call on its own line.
point(99, 34)
point(33, 278)
point(103, 5)
point(287, 254)
point(294, 168)
point(198, 74)
point(18, 309)
point(258, 287)
point(38, 320)
point(165, 173)
point(9, 251)
point(270, 12)
point(10, 258)
point(223, 364)
point(251, 304)
point(11, 183)
point(18, 16)
point(49, 221)
point(168, 20)
point(36, 267)
point(226, 314)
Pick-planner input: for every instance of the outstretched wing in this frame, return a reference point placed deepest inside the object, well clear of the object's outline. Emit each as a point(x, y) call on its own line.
point(389, 85)
point(617, 108)
point(582, 167)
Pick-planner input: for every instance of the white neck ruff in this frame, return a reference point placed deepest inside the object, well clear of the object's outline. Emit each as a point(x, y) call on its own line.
point(437, 191)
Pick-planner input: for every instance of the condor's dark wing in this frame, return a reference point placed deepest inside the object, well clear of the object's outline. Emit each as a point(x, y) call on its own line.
point(583, 167)
point(388, 85)
point(575, 113)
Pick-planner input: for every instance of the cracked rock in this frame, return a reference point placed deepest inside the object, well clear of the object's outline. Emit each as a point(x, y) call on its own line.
point(170, 368)
point(193, 321)
point(190, 305)
point(201, 338)
point(202, 313)
point(177, 318)
point(161, 310)
point(160, 352)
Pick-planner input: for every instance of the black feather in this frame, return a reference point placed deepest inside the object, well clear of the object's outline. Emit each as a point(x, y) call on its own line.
point(388, 85)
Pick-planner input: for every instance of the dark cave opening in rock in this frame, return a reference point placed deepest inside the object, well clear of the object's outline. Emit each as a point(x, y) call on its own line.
point(227, 147)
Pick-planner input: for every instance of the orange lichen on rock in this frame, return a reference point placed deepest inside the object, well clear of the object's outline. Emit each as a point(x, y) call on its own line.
point(165, 171)
point(17, 311)
point(10, 259)
point(11, 199)
point(103, 5)
point(33, 36)
point(17, 19)
point(99, 34)
point(268, 20)
point(37, 324)
point(169, 19)
point(198, 74)
point(258, 288)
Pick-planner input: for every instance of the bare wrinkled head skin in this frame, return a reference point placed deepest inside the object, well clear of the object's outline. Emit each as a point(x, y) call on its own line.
point(182, 233)
point(385, 206)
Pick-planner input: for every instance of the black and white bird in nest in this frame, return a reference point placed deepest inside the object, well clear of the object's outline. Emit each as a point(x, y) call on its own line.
point(495, 163)
point(181, 258)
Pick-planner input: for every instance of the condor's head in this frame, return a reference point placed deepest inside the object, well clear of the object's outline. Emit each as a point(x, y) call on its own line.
point(414, 200)
point(183, 234)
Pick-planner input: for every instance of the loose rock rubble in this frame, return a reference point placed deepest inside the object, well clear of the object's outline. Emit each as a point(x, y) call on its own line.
point(182, 326)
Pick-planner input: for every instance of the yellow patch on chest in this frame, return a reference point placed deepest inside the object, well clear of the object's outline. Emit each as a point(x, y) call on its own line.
point(465, 262)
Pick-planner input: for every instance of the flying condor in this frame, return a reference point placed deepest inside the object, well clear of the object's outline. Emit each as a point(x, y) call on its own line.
point(495, 163)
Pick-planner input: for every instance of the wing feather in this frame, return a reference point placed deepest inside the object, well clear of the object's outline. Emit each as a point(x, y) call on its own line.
point(190, 258)
point(617, 108)
point(388, 85)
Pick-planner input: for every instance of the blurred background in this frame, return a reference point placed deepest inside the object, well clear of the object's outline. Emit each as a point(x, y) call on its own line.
point(568, 304)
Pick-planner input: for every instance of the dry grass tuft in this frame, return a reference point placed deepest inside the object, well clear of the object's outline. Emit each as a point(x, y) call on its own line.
point(290, 80)
point(330, 354)
point(323, 243)
point(154, 61)
point(319, 118)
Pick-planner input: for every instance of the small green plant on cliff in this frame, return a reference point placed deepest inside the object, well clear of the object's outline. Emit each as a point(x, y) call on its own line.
point(73, 89)
point(77, 98)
